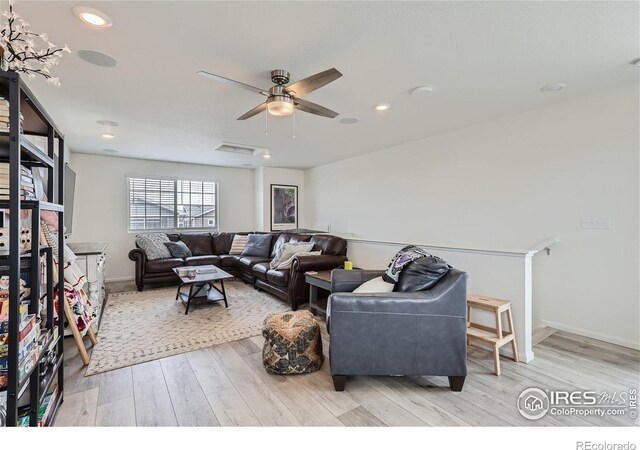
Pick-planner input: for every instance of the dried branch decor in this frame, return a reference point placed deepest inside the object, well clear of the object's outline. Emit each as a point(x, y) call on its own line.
point(23, 50)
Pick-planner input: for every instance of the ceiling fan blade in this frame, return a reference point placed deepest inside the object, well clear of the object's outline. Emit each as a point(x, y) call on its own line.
point(310, 84)
point(257, 110)
point(233, 82)
point(312, 108)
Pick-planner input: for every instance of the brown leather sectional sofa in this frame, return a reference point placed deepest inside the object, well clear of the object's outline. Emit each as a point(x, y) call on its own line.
point(213, 248)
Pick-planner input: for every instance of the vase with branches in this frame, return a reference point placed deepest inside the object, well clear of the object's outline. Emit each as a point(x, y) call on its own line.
point(26, 51)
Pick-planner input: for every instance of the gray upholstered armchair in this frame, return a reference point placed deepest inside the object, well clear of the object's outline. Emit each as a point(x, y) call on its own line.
point(399, 333)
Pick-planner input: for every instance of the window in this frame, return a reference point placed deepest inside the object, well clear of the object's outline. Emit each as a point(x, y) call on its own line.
point(165, 204)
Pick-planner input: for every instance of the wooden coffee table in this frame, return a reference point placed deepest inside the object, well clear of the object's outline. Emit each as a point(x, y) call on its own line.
point(202, 288)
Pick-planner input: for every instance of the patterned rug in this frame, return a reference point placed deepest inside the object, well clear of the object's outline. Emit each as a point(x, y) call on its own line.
point(142, 326)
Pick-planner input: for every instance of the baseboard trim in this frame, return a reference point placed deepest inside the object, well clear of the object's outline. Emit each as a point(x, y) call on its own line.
point(111, 280)
point(590, 334)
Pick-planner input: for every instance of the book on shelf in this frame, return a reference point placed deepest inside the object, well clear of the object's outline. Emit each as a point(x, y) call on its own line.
point(5, 166)
point(28, 340)
point(22, 197)
point(44, 411)
point(4, 317)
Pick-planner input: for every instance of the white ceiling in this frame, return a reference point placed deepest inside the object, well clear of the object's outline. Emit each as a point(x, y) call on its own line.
point(484, 60)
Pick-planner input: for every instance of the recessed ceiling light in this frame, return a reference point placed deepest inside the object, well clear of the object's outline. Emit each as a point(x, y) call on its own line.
point(636, 63)
point(554, 87)
point(97, 58)
point(108, 135)
point(349, 121)
point(92, 16)
point(107, 123)
point(422, 91)
point(266, 155)
point(382, 107)
point(110, 150)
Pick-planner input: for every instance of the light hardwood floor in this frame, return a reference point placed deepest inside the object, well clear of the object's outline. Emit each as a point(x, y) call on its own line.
point(226, 385)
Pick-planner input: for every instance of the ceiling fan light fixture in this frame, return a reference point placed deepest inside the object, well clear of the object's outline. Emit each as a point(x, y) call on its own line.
point(280, 106)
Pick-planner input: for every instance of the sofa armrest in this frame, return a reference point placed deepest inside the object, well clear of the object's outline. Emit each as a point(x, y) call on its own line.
point(348, 280)
point(317, 263)
point(298, 288)
point(140, 257)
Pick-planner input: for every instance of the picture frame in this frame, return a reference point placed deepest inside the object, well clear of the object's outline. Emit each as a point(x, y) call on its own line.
point(284, 207)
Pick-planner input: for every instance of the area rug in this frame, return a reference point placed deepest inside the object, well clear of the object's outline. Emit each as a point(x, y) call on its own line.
point(142, 326)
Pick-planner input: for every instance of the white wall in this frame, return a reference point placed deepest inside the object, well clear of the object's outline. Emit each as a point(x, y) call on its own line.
point(511, 183)
point(100, 209)
point(264, 177)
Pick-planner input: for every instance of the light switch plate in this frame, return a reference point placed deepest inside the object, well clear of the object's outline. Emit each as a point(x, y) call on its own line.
point(595, 223)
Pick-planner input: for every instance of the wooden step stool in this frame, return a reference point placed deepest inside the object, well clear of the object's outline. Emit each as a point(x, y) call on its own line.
point(496, 337)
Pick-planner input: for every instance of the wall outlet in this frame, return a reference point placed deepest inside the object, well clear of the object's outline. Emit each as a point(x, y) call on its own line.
point(595, 223)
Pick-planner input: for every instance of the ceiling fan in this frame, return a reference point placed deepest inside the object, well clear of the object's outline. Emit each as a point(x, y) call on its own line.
point(282, 99)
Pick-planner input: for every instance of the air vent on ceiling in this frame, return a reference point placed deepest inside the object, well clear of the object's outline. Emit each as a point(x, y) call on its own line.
point(238, 149)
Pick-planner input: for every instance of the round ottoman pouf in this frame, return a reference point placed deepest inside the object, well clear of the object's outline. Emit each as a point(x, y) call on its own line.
point(292, 343)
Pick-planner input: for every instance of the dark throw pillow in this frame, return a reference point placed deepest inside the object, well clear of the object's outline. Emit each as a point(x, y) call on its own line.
point(421, 274)
point(258, 245)
point(178, 249)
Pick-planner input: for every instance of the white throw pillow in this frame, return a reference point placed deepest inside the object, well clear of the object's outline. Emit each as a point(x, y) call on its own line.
point(374, 286)
point(287, 263)
point(238, 244)
point(288, 250)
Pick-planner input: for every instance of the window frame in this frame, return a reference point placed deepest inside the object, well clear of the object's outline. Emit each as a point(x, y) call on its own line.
point(175, 191)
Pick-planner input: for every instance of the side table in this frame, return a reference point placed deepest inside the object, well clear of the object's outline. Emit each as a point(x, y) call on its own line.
point(317, 280)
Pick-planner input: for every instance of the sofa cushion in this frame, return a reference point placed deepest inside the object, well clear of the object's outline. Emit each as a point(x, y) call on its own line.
point(227, 261)
point(278, 277)
point(330, 245)
point(205, 260)
point(260, 270)
point(258, 245)
point(421, 274)
point(173, 237)
point(249, 261)
point(199, 243)
point(178, 249)
point(163, 265)
point(222, 242)
point(238, 245)
point(153, 245)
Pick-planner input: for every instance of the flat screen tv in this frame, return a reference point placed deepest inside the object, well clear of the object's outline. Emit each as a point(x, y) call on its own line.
point(69, 193)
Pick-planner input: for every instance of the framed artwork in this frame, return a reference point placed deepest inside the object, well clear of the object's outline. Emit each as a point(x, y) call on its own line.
point(284, 207)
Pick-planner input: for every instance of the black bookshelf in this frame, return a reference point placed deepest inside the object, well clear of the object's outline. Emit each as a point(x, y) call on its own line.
point(16, 150)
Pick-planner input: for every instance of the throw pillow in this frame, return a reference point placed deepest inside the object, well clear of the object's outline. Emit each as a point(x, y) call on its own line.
point(178, 249)
point(238, 244)
point(421, 274)
point(401, 259)
point(258, 245)
point(374, 286)
point(288, 250)
point(153, 245)
point(286, 264)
